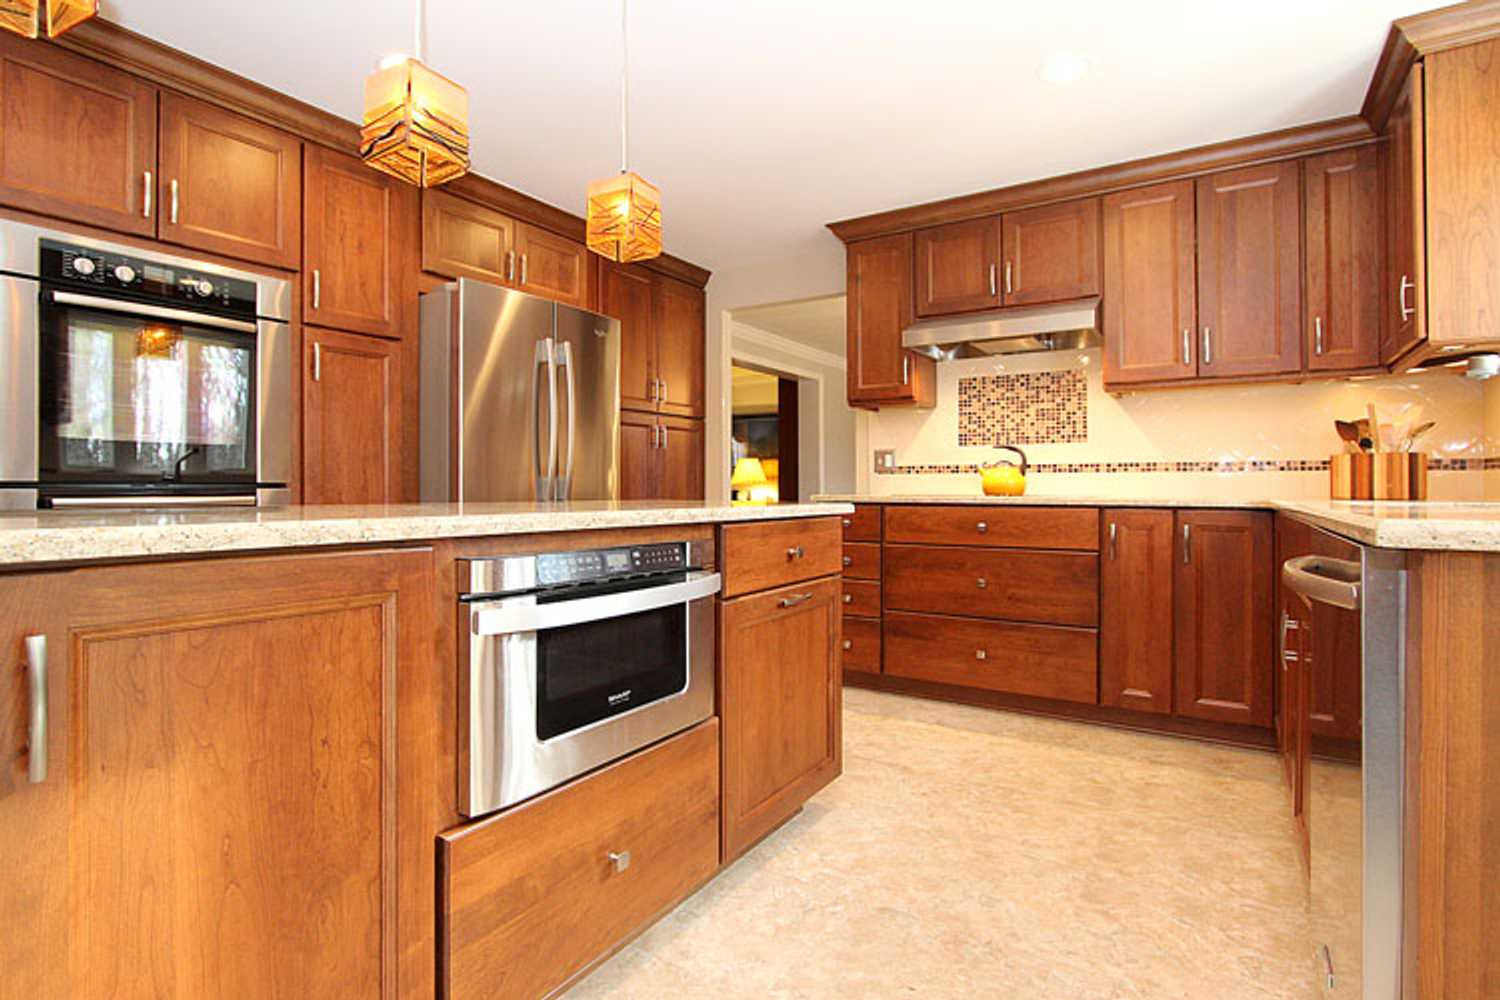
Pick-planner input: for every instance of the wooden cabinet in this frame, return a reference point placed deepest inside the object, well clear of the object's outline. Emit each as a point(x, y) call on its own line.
point(879, 292)
point(862, 561)
point(957, 267)
point(233, 747)
point(1056, 588)
point(532, 897)
point(1406, 274)
point(640, 440)
point(553, 266)
point(864, 525)
point(351, 419)
point(661, 458)
point(1224, 607)
point(229, 185)
point(77, 138)
point(463, 240)
point(994, 527)
point(626, 294)
point(1043, 661)
point(357, 227)
point(861, 645)
point(779, 697)
point(1250, 271)
point(1150, 295)
point(1135, 632)
point(680, 341)
point(1051, 254)
point(1345, 259)
point(766, 554)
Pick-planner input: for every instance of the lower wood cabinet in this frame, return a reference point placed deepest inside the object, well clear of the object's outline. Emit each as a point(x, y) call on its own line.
point(351, 418)
point(765, 554)
point(531, 898)
point(1135, 633)
point(661, 457)
point(1043, 661)
point(1058, 588)
point(861, 645)
point(779, 696)
point(232, 747)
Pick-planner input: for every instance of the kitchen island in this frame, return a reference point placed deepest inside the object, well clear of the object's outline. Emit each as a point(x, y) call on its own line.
point(232, 746)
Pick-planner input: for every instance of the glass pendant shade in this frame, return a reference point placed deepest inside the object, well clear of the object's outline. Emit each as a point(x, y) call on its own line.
point(416, 124)
point(624, 218)
point(24, 17)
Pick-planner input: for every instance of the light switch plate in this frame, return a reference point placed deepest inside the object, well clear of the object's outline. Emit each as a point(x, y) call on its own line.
point(885, 460)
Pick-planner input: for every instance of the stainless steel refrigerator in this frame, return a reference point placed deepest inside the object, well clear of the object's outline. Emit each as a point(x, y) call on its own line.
point(520, 398)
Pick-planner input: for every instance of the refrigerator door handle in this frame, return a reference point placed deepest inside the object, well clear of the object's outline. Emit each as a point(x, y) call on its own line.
point(565, 359)
point(545, 359)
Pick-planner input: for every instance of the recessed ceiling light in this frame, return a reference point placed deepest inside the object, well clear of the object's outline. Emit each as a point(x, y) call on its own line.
point(1063, 67)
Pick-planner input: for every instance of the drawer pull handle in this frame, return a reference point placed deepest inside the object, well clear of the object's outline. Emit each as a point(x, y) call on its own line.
point(795, 552)
point(36, 746)
point(981, 583)
point(848, 643)
point(848, 523)
point(982, 527)
point(980, 654)
point(848, 561)
point(620, 860)
point(848, 598)
point(796, 599)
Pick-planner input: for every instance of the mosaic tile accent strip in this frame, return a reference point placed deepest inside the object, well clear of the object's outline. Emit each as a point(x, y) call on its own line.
point(1027, 408)
point(1220, 466)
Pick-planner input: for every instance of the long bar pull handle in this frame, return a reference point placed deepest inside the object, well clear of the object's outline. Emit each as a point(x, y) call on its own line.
point(1208, 345)
point(663, 390)
point(36, 669)
point(1008, 287)
point(146, 201)
point(1406, 283)
point(317, 289)
point(173, 187)
point(1113, 550)
point(906, 369)
point(1318, 335)
point(523, 269)
point(794, 600)
point(1187, 346)
point(1187, 543)
point(317, 362)
point(565, 481)
point(663, 436)
point(543, 362)
point(993, 290)
point(510, 265)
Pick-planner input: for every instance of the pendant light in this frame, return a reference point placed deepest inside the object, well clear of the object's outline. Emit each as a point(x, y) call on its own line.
point(416, 124)
point(624, 212)
point(25, 17)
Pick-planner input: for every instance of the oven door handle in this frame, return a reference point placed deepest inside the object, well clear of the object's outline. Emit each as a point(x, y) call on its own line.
point(153, 312)
point(507, 617)
point(1324, 579)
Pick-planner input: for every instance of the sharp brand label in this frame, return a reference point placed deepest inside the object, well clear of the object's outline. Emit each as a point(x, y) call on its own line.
point(619, 697)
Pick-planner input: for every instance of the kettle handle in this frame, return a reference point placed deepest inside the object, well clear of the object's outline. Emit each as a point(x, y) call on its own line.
point(1010, 447)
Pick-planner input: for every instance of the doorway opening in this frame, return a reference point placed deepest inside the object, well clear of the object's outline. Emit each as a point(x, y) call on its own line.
point(764, 434)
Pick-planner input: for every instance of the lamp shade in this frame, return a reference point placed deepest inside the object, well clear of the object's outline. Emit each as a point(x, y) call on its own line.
point(24, 17)
point(416, 124)
point(624, 218)
point(748, 472)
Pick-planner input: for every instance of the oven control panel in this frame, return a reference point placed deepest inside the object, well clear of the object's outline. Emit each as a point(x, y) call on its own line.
point(128, 276)
point(560, 568)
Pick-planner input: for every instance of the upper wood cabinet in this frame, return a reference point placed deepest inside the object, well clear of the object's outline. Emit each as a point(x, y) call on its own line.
point(1150, 297)
point(77, 138)
point(1051, 254)
point(1406, 291)
point(1135, 628)
point(229, 185)
point(626, 294)
point(1345, 259)
point(662, 339)
point(879, 289)
point(357, 227)
point(1250, 271)
point(1224, 600)
point(958, 267)
point(351, 419)
point(463, 240)
point(554, 267)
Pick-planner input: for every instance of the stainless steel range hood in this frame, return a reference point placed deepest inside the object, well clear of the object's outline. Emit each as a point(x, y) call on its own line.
point(1060, 326)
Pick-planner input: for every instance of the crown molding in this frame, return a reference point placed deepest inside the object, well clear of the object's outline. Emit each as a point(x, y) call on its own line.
point(754, 336)
point(1285, 144)
point(1412, 38)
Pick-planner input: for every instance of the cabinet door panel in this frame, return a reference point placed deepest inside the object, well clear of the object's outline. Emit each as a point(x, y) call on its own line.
point(1135, 634)
point(625, 294)
point(1406, 290)
point(1150, 299)
point(552, 266)
point(1224, 603)
point(879, 284)
point(958, 267)
point(780, 703)
point(351, 421)
point(640, 456)
point(1250, 271)
point(681, 459)
point(1057, 588)
point(1345, 259)
point(463, 240)
point(77, 138)
point(680, 346)
point(356, 223)
point(1051, 253)
point(1043, 661)
point(238, 184)
point(861, 645)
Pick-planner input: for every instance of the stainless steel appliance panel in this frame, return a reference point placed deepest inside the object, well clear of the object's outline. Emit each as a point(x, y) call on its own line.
point(19, 377)
point(273, 403)
point(587, 355)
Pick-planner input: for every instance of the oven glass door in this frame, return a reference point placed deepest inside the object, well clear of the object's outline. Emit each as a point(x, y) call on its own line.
point(594, 670)
point(130, 399)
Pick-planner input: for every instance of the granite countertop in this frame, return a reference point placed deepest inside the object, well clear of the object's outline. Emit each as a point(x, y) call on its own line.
point(1391, 524)
point(33, 538)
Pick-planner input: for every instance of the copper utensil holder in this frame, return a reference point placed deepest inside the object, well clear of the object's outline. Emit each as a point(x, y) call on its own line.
point(1392, 475)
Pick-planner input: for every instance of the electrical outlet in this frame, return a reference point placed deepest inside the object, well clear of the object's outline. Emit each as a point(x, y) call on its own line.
point(885, 460)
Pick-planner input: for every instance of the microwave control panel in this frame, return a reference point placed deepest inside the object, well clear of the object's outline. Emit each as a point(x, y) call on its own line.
point(127, 276)
point(562, 568)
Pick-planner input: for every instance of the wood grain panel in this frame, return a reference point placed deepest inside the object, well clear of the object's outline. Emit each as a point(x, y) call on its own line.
point(1007, 526)
point(531, 897)
point(640, 458)
point(625, 294)
point(861, 560)
point(864, 524)
point(1039, 660)
point(861, 645)
point(1051, 253)
point(680, 344)
point(1135, 631)
point(1150, 291)
point(766, 554)
point(1060, 588)
point(1405, 298)
point(958, 267)
point(552, 267)
point(681, 459)
point(1345, 259)
point(351, 418)
point(861, 598)
point(463, 240)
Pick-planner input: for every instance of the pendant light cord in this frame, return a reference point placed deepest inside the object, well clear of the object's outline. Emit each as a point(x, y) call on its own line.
point(624, 86)
point(421, 9)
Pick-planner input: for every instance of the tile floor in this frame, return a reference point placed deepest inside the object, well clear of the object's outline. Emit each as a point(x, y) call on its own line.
point(971, 853)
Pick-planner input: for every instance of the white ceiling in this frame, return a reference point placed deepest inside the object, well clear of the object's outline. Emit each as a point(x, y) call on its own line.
point(815, 322)
point(763, 120)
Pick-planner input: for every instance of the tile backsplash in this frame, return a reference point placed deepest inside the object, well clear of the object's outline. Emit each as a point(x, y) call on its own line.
point(1223, 442)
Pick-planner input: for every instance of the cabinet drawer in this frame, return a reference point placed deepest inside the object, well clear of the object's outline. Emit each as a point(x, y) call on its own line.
point(862, 598)
point(863, 525)
point(1056, 588)
point(531, 897)
point(861, 645)
point(1043, 661)
point(1001, 527)
point(767, 554)
point(861, 561)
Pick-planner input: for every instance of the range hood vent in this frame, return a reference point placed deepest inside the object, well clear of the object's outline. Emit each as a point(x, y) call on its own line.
point(1061, 326)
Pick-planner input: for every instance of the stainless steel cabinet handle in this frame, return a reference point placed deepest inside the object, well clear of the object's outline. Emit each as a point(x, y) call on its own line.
point(1113, 530)
point(848, 523)
point(173, 187)
point(1406, 283)
point(796, 599)
point(146, 201)
point(848, 643)
point(1318, 335)
point(848, 598)
point(317, 288)
point(992, 280)
point(1328, 967)
point(317, 362)
point(980, 654)
point(1187, 346)
point(1008, 288)
point(982, 527)
point(36, 669)
point(1187, 543)
point(1288, 623)
point(663, 390)
point(619, 860)
point(523, 269)
point(848, 561)
point(905, 369)
point(795, 552)
point(981, 583)
point(1208, 346)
